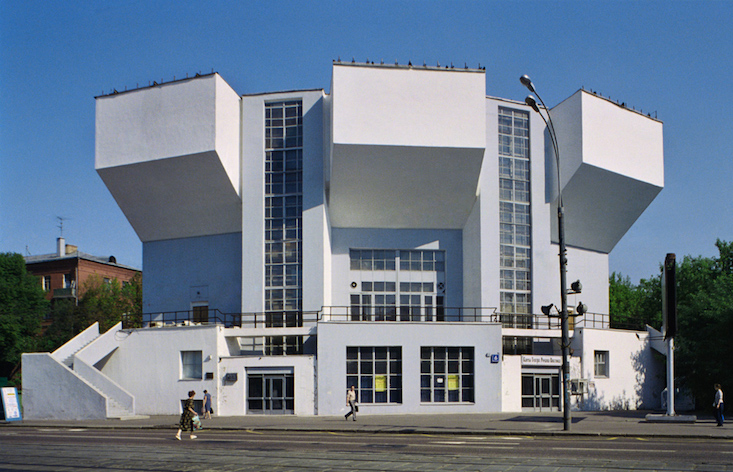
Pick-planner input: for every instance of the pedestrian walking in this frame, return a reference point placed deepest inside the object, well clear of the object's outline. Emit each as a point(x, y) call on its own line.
point(186, 422)
point(351, 402)
point(718, 404)
point(207, 405)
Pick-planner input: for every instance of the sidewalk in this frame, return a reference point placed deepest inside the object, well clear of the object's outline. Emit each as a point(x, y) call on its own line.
point(605, 423)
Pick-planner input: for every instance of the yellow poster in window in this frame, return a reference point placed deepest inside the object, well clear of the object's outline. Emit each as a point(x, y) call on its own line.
point(452, 382)
point(380, 383)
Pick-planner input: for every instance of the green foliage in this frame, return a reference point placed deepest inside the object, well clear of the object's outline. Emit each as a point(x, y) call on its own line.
point(101, 301)
point(704, 317)
point(63, 326)
point(705, 322)
point(22, 307)
point(634, 306)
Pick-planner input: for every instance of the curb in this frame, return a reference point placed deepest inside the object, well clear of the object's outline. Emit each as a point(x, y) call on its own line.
point(394, 431)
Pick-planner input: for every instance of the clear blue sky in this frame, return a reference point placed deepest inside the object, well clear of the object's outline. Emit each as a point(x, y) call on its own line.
point(671, 58)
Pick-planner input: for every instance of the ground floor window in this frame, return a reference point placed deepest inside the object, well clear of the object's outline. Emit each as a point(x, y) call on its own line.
point(600, 363)
point(191, 366)
point(270, 393)
point(375, 373)
point(446, 374)
point(541, 391)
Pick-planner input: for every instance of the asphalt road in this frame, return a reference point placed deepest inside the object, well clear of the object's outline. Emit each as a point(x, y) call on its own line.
point(54, 449)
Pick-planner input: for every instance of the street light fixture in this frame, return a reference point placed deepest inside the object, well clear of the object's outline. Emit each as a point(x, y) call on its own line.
point(565, 341)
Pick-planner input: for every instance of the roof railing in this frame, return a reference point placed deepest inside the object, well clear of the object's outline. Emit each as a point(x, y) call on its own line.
point(297, 319)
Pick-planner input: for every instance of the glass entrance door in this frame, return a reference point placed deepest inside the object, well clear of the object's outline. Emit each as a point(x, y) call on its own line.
point(540, 392)
point(270, 394)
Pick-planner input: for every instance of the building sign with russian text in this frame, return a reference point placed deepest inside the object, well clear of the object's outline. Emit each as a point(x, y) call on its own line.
point(542, 361)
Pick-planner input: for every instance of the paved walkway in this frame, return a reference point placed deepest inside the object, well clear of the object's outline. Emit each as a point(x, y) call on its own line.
point(610, 423)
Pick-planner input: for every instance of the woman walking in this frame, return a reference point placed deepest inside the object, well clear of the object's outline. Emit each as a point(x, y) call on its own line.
point(207, 405)
point(186, 422)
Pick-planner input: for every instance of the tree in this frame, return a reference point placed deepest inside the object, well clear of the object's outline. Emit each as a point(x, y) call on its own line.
point(63, 325)
point(705, 321)
point(634, 306)
point(133, 292)
point(704, 316)
point(106, 302)
point(22, 307)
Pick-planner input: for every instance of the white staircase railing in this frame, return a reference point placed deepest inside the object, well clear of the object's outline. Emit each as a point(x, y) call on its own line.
point(79, 355)
point(65, 353)
point(89, 355)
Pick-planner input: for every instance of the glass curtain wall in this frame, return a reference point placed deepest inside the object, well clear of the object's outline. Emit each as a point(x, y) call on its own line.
point(515, 216)
point(283, 221)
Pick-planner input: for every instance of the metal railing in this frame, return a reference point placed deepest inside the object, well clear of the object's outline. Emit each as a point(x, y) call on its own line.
point(285, 319)
point(592, 320)
point(295, 319)
point(587, 320)
point(418, 314)
point(68, 292)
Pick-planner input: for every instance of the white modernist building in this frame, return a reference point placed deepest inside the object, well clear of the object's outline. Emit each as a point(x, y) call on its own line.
point(396, 234)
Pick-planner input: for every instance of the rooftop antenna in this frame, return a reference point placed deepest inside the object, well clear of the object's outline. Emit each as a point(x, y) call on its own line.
point(61, 225)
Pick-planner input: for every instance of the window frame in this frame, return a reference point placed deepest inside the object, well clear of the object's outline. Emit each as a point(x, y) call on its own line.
point(196, 364)
point(435, 377)
point(365, 363)
point(397, 284)
point(46, 283)
point(601, 368)
point(515, 211)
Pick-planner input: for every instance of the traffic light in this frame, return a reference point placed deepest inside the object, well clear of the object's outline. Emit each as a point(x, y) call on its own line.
point(669, 297)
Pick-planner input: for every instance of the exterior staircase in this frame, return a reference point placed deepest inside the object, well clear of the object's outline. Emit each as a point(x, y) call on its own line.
point(87, 392)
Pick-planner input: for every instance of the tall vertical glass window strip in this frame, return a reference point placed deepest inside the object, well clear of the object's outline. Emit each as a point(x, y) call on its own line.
point(514, 212)
point(283, 215)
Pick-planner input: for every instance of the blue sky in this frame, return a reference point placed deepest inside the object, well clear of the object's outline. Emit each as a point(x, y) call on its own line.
point(670, 58)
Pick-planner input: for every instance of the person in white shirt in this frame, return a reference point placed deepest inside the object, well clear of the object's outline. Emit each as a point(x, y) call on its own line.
point(351, 402)
point(718, 405)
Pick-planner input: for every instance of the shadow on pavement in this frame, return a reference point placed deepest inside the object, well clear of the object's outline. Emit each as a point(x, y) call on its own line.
point(542, 419)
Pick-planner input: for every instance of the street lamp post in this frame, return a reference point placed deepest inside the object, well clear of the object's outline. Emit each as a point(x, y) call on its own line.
point(565, 341)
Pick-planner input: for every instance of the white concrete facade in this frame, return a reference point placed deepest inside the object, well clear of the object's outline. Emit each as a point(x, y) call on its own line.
point(484, 339)
point(395, 243)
